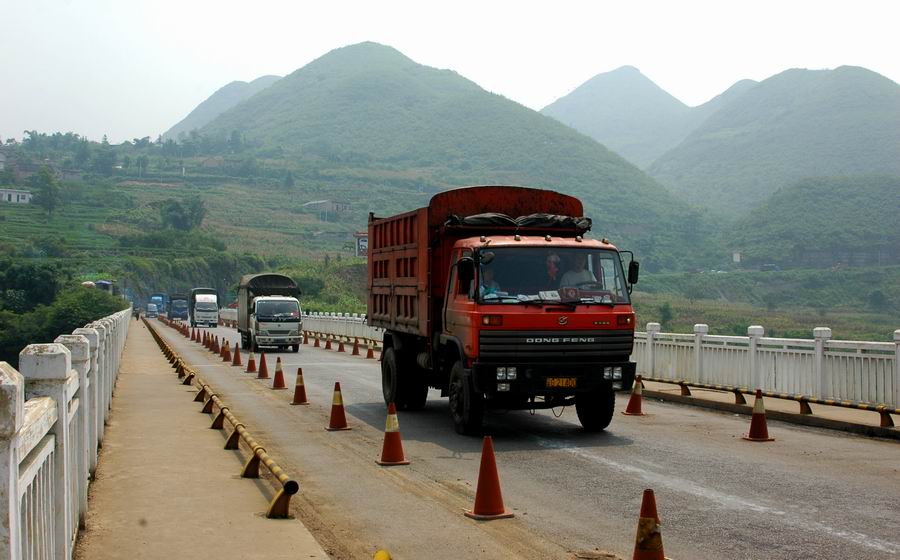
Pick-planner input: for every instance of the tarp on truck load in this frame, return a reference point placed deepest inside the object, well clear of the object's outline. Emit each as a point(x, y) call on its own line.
point(540, 221)
point(269, 284)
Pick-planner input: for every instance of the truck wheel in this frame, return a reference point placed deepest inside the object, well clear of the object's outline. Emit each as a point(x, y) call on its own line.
point(295, 348)
point(390, 379)
point(595, 409)
point(466, 407)
point(254, 347)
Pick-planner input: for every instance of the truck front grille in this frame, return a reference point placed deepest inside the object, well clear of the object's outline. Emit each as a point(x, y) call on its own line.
point(554, 346)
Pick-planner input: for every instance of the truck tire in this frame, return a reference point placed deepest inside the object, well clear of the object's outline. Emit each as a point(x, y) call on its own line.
point(466, 407)
point(414, 387)
point(254, 347)
point(595, 409)
point(390, 378)
point(295, 348)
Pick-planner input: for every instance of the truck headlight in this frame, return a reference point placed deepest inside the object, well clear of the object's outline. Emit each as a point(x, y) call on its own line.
point(617, 373)
point(511, 373)
point(607, 373)
point(262, 333)
point(501, 373)
point(502, 387)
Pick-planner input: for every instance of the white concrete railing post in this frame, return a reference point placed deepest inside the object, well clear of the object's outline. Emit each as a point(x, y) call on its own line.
point(821, 335)
point(48, 372)
point(897, 368)
point(102, 378)
point(80, 349)
point(700, 330)
point(755, 332)
point(90, 407)
point(652, 330)
point(12, 414)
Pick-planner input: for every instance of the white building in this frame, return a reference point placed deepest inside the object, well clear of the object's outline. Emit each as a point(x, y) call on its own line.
point(15, 196)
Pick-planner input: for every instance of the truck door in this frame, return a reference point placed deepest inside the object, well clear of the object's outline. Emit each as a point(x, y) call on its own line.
point(460, 304)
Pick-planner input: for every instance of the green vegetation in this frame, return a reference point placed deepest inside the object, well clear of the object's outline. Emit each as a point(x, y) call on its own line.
point(825, 222)
point(40, 301)
point(797, 124)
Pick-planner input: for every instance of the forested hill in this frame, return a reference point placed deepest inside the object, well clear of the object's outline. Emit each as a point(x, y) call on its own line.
point(627, 112)
point(223, 99)
point(797, 124)
point(368, 106)
point(824, 222)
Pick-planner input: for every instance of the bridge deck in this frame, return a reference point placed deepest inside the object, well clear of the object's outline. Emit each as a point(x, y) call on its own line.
point(165, 488)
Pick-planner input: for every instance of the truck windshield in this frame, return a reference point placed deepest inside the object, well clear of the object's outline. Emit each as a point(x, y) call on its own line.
point(206, 306)
point(522, 275)
point(179, 304)
point(277, 311)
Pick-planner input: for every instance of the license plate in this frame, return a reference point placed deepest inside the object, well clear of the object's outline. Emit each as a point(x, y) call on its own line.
point(561, 382)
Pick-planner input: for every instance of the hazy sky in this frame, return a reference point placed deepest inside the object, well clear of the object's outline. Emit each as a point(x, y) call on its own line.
point(132, 68)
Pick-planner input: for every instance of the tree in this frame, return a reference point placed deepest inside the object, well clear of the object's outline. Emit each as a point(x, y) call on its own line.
point(48, 195)
point(288, 179)
point(105, 160)
point(142, 162)
point(82, 153)
point(665, 314)
point(183, 217)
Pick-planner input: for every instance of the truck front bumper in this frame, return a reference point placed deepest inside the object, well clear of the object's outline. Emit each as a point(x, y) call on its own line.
point(277, 340)
point(552, 379)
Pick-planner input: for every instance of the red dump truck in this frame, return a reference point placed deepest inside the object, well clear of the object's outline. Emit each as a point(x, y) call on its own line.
point(494, 296)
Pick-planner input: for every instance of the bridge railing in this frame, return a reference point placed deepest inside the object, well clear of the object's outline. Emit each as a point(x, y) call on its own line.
point(842, 370)
point(52, 416)
point(820, 368)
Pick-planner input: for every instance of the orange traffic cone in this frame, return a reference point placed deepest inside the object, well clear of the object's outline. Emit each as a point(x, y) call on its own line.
point(370, 352)
point(634, 403)
point(226, 352)
point(299, 389)
point(355, 347)
point(488, 499)
point(392, 450)
point(205, 340)
point(328, 343)
point(215, 346)
point(263, 369)
point(338, 420)
point(316, 343)
point(759, 431)
point(278, 382)
point(340, 345)
point(237, 355)
point(648, 540)
point(193, 335)
point(251, 364)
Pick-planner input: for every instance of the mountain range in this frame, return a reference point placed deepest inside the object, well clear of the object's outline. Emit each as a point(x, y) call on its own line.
point(223, 99)
point(732, 152)
point(370, 108)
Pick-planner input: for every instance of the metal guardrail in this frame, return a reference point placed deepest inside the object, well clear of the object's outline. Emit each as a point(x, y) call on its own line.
point(279, 507)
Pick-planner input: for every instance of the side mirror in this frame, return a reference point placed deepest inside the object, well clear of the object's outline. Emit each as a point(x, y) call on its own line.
point(634, 269)
point(465, 270)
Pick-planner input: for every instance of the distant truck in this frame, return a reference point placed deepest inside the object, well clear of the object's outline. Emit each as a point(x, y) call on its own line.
point(269, 312)
point(493, 296)
point(178, 307)
point(152, 311)
point(203, 307)
point(159, 300)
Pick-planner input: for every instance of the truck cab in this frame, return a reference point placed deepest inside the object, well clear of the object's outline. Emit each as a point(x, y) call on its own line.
point(269, 311)
point(276, 321)
point(495, 296)
point(204, 307)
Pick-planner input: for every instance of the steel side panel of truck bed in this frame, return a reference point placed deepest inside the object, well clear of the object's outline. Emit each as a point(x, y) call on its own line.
point(409, 253)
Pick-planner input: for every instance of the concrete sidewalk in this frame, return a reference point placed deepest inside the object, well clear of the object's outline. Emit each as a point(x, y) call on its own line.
point(165, 488)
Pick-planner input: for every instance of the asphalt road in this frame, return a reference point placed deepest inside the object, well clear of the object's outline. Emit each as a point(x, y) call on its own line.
point(812, 493)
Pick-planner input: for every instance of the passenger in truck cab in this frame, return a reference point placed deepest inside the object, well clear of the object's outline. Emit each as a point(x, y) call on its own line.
point(488, 286)
point(551, 280)
point(578, 273)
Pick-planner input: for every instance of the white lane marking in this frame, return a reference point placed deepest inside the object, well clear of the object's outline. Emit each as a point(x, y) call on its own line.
point(727, 500)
